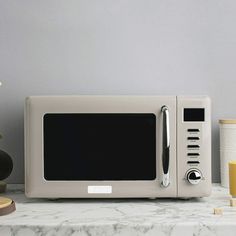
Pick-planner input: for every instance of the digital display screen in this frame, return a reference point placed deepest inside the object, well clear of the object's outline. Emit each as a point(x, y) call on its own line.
point(194, 114)
point(99, 146)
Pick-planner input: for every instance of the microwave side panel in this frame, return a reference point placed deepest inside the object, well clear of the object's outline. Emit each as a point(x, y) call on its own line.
point(30, 130)
point(27, 147)
point(35, 109)
point(26, 143)
point(194, 146)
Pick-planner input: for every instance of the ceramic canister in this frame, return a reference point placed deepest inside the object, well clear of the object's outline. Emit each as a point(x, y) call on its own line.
point(227, 148)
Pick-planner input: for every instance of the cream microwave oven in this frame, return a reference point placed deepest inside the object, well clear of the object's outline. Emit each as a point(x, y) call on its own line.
point(117, 146)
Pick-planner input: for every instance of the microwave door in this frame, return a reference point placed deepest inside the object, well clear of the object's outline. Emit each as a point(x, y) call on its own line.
point(125, 143)
point(100, 147)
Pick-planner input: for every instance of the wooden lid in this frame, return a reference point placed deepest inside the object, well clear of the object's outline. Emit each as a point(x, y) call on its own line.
point(4, 202)
point(228, 121)
point(7, 206)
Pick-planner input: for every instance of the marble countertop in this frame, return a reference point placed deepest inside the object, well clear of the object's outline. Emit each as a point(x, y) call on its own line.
point(89, 217)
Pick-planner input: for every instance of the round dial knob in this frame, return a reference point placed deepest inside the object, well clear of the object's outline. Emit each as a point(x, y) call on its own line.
point(194, 176)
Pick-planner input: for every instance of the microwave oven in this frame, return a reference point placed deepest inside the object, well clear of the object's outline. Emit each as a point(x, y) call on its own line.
point(117, 146)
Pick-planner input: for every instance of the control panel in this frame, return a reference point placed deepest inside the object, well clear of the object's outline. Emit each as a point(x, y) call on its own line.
point(193, 146)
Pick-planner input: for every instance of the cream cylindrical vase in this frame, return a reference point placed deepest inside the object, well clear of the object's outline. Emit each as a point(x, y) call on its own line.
point(227, 148)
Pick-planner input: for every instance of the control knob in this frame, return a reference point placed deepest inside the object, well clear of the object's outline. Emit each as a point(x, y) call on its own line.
point(194, 176)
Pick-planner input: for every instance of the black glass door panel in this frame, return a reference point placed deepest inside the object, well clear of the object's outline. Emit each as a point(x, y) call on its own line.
point(118, 146)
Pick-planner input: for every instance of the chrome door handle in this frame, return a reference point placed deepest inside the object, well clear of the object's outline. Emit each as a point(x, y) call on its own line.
point(165, 146)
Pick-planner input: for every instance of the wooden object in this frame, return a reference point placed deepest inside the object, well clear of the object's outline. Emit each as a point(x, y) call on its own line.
point(233, 202)
point(4, 202)
point(232, 178)
point(7, 206)
point(218, 211)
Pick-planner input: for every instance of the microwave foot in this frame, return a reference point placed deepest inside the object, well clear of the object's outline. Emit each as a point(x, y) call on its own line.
point(53, 199)
point(185, 198)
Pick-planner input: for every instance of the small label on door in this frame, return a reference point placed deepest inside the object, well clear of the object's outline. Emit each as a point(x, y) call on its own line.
point(99, 189)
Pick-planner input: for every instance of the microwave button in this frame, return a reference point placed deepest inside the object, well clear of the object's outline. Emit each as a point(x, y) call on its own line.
point(193, 162)
point(193, 154)
point(193, 130)
point(193, 146)
point(193, 138)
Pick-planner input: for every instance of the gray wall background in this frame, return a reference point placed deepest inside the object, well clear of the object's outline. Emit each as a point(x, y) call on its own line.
point(114, 47)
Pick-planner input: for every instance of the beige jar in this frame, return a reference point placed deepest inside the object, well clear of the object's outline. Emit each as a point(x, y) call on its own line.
point(227, 148)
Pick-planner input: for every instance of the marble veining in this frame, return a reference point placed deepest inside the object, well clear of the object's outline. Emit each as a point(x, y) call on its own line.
point(132, 217)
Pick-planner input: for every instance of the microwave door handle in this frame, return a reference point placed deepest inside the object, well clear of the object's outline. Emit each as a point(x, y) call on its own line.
point(165, 146)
